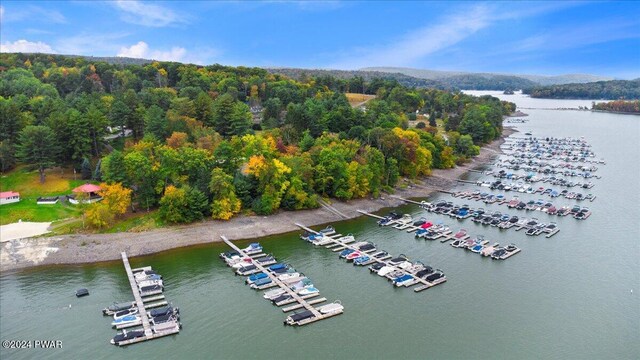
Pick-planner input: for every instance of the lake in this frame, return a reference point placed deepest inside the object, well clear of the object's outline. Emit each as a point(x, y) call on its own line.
point(573, 296)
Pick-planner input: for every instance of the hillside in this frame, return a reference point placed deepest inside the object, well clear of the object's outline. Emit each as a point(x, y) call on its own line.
point(482, 81)
point(613, 89)
point(402, 79)
point(213, 141)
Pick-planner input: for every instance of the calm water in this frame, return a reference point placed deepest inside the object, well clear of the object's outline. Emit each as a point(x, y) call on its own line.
point(566, 297)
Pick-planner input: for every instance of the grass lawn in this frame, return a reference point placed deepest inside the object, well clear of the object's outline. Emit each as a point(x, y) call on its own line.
point(140, 221)
point(27, 183)
point(440, 124)
point(358, 99)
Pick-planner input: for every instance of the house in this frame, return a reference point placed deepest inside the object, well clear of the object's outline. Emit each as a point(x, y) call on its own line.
point(9, 197)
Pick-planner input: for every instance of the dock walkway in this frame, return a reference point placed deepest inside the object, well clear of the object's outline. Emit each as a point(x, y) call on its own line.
point(149, 333)
point(297, 298)
point(136, 295)
point(342, 245)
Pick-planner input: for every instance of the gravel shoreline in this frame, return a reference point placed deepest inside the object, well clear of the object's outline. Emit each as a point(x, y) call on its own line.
point(91, 248)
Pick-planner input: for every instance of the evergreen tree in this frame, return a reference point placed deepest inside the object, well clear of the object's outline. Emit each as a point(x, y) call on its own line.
point(37, 146)
point(85, 169)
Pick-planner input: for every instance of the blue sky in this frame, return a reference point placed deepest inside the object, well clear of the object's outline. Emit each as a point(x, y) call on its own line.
point(546, 38)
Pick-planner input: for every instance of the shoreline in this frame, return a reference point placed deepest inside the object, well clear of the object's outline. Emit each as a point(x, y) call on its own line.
point(92, 248)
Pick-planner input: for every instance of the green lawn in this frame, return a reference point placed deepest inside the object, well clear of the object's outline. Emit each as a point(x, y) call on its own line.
point(27, 183)
point(142, 221)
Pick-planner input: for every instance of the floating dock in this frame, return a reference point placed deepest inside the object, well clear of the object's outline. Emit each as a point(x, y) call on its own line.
point(337, 245)
point(301, 300)
point(149, 333)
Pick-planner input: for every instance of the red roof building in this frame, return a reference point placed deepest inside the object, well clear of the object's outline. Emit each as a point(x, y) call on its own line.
point(87, 188)
point(8, 197)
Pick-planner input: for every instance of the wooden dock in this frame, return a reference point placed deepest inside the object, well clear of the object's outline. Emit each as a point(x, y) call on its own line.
point(336, 242)
point(149, 334)
point(294, 296)
point(136, 295)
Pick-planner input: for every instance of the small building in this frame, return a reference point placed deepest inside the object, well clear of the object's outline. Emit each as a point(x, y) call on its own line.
point(47, 200)
point(89, 191)
point(9, 197)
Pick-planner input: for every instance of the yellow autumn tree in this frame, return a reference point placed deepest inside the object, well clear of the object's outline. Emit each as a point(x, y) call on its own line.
point(115, 197)
point(98, 215)
point(225, 203)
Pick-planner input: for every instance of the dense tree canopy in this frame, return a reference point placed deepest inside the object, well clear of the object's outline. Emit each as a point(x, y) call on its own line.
point(612, 89)
point(216, 140)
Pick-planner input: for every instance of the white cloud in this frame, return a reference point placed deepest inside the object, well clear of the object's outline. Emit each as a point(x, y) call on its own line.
point(421, 42)
point(25, 46)
point(33, 13)
point(564, 37)
point(152, 15)
point(142, 50)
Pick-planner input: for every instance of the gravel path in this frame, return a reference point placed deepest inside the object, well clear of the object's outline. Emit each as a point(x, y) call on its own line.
point(90, 248)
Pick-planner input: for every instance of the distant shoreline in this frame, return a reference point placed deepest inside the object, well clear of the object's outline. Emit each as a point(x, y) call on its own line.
point(616, 112)
point(93, 248)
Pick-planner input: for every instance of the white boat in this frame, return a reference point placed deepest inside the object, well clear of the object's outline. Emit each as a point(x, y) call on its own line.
point(253, 248)
point(242, 263)
point(332, 308)
point(293, 280)
point(405, 280)
point(347, 239)
point(124, 313)
point(130, 320)
point(385, 270)
point(272, 294)
point(308, 291)
point(285, 277)
point(406, 265)
point(488, 250)
point(403, 222)
point(150, 283)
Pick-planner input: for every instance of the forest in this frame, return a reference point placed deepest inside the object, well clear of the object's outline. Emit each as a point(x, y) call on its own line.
point(632, 107)
point(214, 141)
point(613, 89)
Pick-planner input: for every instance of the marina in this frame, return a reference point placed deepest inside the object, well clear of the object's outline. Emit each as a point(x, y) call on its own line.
point(460, 239)
point(286, 295)
point(534, 288)
point(399, 270)
point(137, 315)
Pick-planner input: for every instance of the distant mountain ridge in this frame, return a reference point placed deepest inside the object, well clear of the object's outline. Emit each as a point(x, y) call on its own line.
point(449, 76)
point(406, 80)
point(419, 78)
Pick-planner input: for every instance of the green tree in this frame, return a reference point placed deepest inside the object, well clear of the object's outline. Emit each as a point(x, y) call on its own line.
point(240, 119)
point(203, 109)
point(225, 203)
point(307, 141)
point(79, 138)
point(85, 169)
point(155, 122)
point(223, 108)
point(37, 146)
point(97, 123)
point(7, 156)
point(113, 168)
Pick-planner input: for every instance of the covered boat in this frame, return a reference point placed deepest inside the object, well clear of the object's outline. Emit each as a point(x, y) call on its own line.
point(115, 307)
point(295, 319)
point(126, 335)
